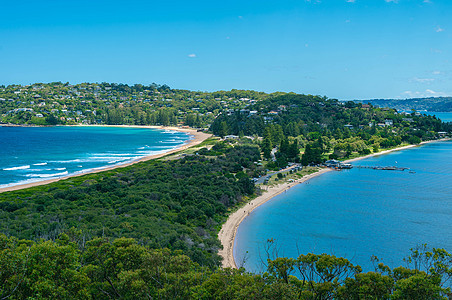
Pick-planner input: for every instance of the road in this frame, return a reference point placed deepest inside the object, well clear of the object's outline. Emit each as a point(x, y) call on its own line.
point(262, 179)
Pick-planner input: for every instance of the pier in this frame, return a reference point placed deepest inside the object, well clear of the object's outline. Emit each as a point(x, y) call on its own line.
point(338, 165)
point(388, 168)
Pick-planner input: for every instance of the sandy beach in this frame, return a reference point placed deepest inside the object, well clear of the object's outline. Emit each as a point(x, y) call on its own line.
point(229, 229)
point(197, 138)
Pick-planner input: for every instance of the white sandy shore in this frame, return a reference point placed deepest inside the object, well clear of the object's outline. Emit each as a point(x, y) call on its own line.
point(198, 137)
point(229, 229)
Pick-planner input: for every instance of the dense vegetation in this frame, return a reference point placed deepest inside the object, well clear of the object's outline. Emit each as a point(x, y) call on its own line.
point(111, 103)
point(325, 128)
point(150, 230)
point(176, 204)
point(101, 268)
point(429, 104)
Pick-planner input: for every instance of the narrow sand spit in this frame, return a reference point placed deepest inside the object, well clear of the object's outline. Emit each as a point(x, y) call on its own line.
point(229, 229)
point(198, 137)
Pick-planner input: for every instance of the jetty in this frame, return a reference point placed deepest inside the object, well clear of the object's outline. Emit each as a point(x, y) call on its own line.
point(388, 168)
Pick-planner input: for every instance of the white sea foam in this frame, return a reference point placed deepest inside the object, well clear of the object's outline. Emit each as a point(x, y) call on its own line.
point(111, 154)
point(148, 153)
point(17, 168)
point(48, 175)
point(19, 183)
point(172, 141)
point(109, 158)
point(66, 161)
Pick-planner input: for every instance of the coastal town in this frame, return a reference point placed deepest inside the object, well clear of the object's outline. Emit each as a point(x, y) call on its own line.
point(92, 103)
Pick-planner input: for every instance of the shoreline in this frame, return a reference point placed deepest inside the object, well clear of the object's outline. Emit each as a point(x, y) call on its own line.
point(228, 231)
point(198, 138)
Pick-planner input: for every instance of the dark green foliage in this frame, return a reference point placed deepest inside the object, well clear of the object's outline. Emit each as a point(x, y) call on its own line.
point(312, 155)
point(174, 204)
point(236, 123)
point(316, 118)
point(101, 268)
point(288, 152)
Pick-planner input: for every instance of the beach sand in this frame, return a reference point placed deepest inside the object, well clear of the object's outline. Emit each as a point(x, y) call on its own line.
point(198, 137)
point(229, 229)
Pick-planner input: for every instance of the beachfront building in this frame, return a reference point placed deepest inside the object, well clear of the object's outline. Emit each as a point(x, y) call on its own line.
point(332, 163)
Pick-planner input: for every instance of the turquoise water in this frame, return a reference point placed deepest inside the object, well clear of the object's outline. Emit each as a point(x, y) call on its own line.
point(444, 116)
point(30, 154)
point(359, 212)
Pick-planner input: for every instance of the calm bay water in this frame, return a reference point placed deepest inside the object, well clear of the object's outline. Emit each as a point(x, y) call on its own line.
point(30, 154)
point(444, 116)
point(359, 212)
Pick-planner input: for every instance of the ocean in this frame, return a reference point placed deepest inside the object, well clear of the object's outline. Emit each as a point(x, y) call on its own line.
point(444, 116)
point(358, 213)
point(30, 154)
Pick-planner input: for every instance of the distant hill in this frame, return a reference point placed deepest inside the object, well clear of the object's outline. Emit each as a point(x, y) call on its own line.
point(438, 104)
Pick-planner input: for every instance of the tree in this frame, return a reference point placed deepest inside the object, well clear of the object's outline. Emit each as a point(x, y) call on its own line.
point(371, 285)
point(322, 275)
point(311, 155)
point(223, 129)
point(52, 120)
point(267, 143)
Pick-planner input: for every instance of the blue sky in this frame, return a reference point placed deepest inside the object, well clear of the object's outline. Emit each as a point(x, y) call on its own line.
point(345, 49)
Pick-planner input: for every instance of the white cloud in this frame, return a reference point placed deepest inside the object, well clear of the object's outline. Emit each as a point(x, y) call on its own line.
point(436, 72)
point(423, 80)
point(426, 93)
point(436, 94)
point(192, 55)
point(393, 1)
point(439, 29)
point(350, 1)
point(427, 1)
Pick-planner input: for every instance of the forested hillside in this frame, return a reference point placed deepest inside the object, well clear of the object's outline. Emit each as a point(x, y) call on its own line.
point(111, 103)
point(438, 104)
point(325, 128)
point(149, 231)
